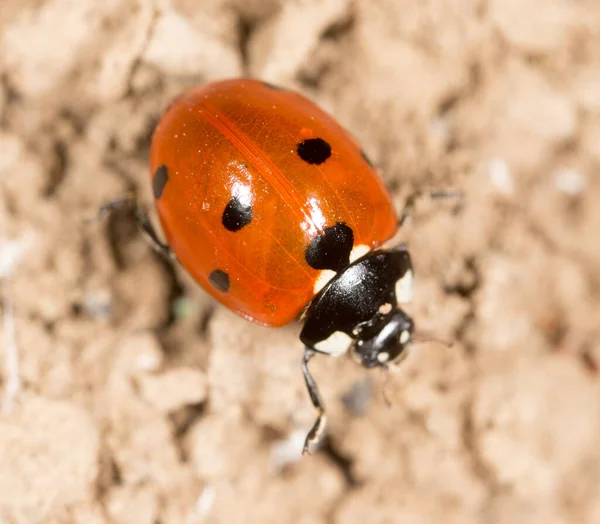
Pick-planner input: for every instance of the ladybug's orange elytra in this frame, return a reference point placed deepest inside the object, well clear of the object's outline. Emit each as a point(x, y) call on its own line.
point(246, 177)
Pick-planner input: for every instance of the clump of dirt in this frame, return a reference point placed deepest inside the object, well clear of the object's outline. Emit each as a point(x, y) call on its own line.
point(129, 396)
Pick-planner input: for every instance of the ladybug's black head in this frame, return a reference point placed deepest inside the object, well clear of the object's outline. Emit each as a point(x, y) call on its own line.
point(358, 311)
point(388, 344)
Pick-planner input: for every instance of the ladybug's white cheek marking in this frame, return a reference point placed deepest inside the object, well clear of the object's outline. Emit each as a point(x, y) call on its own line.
point(323, 279)
point(359, 251)
point(404, 288)
point(383, 357)
point(335, 345)
point(404, 337)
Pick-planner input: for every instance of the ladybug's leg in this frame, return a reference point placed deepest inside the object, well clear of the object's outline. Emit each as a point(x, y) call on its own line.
point(141, 218)
point(143, 222)
point(412, 199)
point(316, 432)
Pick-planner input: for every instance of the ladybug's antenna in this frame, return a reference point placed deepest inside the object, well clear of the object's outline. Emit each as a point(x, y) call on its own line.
point(385, 386)
point(420, 339)
point(416, 339)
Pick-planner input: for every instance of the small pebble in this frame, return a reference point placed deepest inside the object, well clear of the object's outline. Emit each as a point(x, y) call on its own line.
point(569, 181)
point(500, 176)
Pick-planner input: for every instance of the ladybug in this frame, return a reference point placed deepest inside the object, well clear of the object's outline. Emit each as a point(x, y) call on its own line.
point(277, 212)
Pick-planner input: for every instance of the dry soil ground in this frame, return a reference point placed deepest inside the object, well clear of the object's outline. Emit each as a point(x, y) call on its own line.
point(142, 401)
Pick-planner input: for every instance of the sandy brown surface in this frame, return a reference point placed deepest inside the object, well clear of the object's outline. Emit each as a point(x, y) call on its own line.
point(142, 401)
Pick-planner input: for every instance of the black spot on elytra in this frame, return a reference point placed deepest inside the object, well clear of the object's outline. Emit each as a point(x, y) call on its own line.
point(366, 158)
point(268, 85)
point(220, 280)
point(331, 249)
point(159, 181)
point(314, 150)
point(236, 215)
